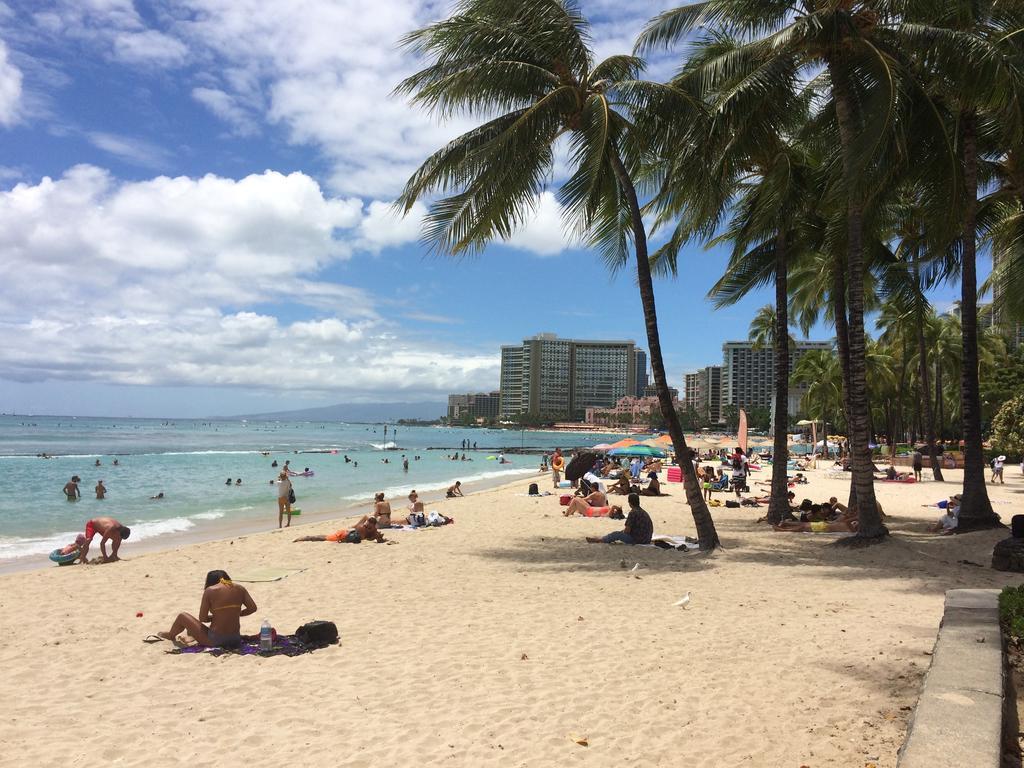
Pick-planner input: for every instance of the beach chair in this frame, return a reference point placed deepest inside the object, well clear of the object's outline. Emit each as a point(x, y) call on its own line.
point(724, 485)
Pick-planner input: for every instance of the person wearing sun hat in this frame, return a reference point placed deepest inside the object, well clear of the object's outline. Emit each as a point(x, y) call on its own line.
point(997, 468)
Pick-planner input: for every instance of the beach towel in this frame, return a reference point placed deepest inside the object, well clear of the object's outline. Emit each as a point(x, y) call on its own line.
point(284, 645)
point(678, 543)
point(267, 574)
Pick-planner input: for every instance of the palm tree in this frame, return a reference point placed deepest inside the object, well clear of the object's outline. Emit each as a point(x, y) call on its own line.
point(819, 372)
point(855, 43)
point(970, 51)
point(529, 63)
point(909, 308)
point(747, 167)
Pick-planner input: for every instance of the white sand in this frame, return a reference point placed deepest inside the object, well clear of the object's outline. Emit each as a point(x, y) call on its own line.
point(491, 641)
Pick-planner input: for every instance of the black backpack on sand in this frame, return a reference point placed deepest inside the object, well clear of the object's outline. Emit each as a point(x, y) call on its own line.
point(534, 490)
point(317, 634)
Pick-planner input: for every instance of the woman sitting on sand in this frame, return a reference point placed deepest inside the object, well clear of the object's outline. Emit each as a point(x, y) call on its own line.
point(653, 487)
point(621, 486)
point(579, 505)
point(382, 511)
point(223, 604)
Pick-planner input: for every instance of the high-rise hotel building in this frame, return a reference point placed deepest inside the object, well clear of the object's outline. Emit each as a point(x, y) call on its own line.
point(549, 376)
point(745, 379)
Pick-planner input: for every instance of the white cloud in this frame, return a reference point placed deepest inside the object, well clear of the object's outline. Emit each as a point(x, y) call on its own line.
point(227, 108)
point(10, 89)
point(148, 47)
point(158, 282)
point(384, 226)
point(133, 150)
point(115, 27)
point(545, 233)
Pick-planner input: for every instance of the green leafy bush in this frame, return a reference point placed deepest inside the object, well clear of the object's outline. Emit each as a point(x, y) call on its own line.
point(1008, 427)
point(1011, 610)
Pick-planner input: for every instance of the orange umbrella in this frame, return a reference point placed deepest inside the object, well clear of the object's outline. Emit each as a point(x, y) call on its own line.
point(625, 443)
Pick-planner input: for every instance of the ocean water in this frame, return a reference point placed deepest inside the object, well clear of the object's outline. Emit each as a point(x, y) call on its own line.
point(189, 461)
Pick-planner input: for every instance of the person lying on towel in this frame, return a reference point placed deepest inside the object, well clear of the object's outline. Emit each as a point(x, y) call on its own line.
point(364, 530)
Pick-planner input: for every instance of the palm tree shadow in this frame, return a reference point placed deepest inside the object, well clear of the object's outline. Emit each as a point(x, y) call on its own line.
point(922, 562)
point(547, 553)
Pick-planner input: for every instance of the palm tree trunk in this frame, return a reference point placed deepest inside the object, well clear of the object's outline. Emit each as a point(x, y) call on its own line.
point(843, 347)
point(922, 372)
point(778, 505)
point(706, 533)
point(975, 507)
point(869, 521)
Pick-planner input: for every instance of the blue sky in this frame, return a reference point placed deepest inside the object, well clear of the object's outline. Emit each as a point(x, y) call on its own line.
point(195, 220)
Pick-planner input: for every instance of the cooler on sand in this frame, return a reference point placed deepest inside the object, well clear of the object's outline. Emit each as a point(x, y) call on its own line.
point(674, 474)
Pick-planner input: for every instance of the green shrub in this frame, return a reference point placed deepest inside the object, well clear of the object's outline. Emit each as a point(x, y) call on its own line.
point(1011, 610)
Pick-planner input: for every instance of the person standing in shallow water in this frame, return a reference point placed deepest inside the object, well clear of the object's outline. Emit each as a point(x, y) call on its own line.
point(71, 489)
point(101, 491)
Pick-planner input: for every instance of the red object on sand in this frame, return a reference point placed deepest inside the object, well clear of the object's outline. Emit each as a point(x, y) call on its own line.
point(674, 474)
point(138, 615)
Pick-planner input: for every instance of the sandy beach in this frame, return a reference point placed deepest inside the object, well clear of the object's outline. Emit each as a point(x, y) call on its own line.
point(501, 638)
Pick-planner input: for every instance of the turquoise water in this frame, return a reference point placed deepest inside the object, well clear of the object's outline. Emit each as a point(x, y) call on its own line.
point(189, 462)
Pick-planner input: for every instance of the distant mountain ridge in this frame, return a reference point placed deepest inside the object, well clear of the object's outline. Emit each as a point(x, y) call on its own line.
point(368, 412)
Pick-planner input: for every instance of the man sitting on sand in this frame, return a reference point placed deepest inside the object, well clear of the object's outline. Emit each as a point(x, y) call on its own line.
point(110, 530)
point(454, 490)
point(949, 521)
point(638, 529)
point(364, 530)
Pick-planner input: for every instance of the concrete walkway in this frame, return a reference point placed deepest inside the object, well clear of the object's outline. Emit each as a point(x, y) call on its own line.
point(958, 720)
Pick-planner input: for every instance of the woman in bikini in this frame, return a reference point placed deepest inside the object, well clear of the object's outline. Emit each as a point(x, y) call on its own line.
point(382, 511)
point(222, 606)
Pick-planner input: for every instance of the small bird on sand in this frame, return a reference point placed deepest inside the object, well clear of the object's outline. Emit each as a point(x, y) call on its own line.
point(683, 601)
point(634, 569)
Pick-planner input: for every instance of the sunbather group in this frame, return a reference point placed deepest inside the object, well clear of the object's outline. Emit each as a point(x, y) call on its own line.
point(831, 517)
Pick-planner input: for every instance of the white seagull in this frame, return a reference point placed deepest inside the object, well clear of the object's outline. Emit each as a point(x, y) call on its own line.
point(683, 601)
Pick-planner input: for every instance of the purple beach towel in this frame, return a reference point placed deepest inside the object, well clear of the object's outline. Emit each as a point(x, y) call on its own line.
point(285, 645)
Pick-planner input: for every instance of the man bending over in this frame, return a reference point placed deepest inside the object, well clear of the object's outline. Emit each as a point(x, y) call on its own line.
point(110, 530)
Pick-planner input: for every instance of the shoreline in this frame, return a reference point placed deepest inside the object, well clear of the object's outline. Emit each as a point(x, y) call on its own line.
point(223, 529)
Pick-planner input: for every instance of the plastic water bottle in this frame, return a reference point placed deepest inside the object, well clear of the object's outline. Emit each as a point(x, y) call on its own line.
point(266, 636)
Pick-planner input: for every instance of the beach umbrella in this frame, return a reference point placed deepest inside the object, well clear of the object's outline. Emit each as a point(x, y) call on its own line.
point(601, 447)
point(580, 465)
point(648, 451)
point(626, 442)
point(804, 423)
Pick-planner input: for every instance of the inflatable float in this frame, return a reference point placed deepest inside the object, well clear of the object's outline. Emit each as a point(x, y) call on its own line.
point(60, 559)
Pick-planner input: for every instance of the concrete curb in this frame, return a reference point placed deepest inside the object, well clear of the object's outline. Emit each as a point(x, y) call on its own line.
point(959, 716)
